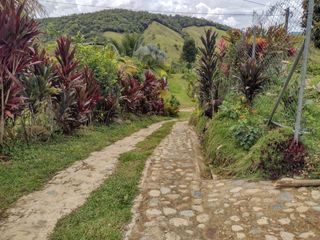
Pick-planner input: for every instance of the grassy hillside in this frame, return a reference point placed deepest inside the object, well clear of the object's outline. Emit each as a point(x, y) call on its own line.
point(178, 87)
point(93, 25)
point(169, 41)
point(114, 36)
point(196, 32)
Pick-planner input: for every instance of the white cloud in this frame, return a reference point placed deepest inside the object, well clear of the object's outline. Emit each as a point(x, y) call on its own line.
point(218, 10)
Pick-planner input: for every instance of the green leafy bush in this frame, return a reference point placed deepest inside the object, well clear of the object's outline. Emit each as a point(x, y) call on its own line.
point(246, 134)
point(171, 106)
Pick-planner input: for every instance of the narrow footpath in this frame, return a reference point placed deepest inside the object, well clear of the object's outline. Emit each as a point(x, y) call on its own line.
point(176, 204)
point(34, 216)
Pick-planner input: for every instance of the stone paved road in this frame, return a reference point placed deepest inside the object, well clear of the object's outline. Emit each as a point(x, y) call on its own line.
point(175, 204)
point(34, 216)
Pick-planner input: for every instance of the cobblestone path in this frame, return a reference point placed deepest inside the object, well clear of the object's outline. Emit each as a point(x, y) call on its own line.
point(176, 204)
point(34, 216)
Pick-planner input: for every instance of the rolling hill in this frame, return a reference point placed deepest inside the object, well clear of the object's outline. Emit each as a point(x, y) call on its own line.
point(93, 25)
point(196, 32)
point(169, 41)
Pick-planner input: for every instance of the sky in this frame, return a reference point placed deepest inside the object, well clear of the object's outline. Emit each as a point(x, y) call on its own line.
point(221, 11)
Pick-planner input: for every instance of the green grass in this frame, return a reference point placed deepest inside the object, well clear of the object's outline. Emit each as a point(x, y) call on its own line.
point(108, 209)
point(196, 32)
point(31, 166)
point(178, 87)
point(114, 36)
point(170, 41)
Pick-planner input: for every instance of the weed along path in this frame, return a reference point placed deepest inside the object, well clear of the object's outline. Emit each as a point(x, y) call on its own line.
point(176, 204)
point(34, 216)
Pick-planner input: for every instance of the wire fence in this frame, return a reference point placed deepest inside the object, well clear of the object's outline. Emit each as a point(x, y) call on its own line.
point(280, 43)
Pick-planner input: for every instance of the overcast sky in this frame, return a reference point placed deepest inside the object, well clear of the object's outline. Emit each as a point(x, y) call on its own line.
point(210, 9)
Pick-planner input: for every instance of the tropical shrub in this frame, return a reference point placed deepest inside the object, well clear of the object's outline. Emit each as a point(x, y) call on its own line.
point(131, 43)
point(17, 33)
point(251, 78)
point(79, 92)
point(38, 82)
point(189, 51)
point(171, 106)
point(280, 155)
point(143, 97)
point(207, 71)
point(246, 134)
point(131, 95)
point(151, 56)
point(151, 89)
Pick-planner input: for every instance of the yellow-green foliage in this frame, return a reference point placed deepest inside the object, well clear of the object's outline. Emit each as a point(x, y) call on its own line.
point(196, 32)
point(114, 36)
point(179, 87)
point(169, 41)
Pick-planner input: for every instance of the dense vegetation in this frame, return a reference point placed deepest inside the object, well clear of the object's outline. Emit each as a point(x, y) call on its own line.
point(233, 123)
point(93, 25)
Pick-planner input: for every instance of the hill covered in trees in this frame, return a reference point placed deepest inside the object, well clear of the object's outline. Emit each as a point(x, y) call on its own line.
point(93, 25)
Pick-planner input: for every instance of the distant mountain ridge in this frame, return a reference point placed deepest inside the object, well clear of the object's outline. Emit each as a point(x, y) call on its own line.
point(93, 25)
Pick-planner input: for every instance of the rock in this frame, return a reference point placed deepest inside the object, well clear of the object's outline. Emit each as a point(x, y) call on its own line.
point(284, 221)
point(172, 236)
point(257, 209)
point(307, 235)
point(189, 232)
point(153, 212)
point(270, 237)
point(318, 87)
point(196, 194)
point(315, 194)
point(173, 196)
point(169, 211)
point(197, 208)
point(317, 208)
point(252, 191)
point(302, 209)
point(165, 190)
point(187, 213)
point(285, 197)
point(236, 190)
point(202, 226)
point(154, 193)
point(245, 214)
point(236, 228)
point(241, 236)
point(235, 218)
point(202, 218)
point(262, 221)
point(178, 222)
point(286, 236)
point(154, 202)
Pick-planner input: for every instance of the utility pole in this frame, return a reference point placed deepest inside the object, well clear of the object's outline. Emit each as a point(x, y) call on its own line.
point(254, 41)
point(287, 16)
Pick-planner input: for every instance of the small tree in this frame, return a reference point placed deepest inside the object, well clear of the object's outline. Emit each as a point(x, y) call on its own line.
point(208, 89)
point(131, 42)
point(189, 51)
